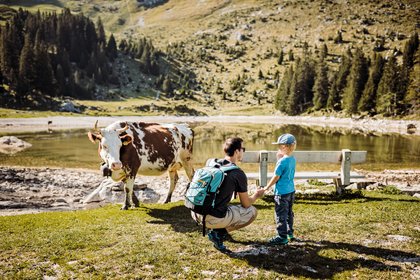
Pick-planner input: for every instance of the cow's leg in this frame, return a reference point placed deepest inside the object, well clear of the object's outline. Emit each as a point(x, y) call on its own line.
point(188, 168)
point(173, 179)
point(135, 200)
point(129, 193)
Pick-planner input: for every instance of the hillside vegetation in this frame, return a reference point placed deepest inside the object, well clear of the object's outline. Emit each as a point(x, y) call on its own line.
point(232, 56)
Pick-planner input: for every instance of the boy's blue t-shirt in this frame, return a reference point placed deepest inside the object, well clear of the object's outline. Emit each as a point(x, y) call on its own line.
point(285, 168)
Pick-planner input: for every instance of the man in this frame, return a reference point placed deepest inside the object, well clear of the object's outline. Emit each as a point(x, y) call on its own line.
point(224, 217)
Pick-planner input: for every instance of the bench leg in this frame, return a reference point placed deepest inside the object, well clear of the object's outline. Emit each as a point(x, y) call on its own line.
point(338, 186)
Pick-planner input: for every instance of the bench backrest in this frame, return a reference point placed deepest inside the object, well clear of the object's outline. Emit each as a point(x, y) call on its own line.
point(306, 156)
point(345, 157)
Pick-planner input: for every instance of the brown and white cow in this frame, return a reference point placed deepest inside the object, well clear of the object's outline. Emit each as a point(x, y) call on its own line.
point(146, 148)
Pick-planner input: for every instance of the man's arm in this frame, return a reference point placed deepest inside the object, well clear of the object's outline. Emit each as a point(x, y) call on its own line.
point(246, 200)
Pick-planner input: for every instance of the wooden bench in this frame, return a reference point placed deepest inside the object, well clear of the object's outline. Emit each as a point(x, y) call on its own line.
point(341, 178)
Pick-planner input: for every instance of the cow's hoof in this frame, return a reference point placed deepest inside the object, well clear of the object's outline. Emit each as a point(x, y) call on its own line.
point(125, 207)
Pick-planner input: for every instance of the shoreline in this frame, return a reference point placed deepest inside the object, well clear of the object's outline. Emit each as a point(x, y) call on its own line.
point(19, 125)
point(30, 190)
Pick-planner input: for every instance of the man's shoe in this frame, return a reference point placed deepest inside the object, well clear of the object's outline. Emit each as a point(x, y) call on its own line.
point(217, 240)
point(277, 240)
point(224, 234)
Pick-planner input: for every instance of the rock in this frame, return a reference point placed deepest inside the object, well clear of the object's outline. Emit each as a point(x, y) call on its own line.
point(417, 195)
point(399, 237)
point(372, 187)
point(110, 191)
point(411, 128)
point(352, 187)
point(311, 191)
point(68, 106)
point(11, 145)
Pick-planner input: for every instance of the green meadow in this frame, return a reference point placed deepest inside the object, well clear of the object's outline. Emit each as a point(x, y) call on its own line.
point(368, 235)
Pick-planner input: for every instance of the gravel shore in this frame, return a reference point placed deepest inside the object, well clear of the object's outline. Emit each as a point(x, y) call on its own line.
point(33, 190)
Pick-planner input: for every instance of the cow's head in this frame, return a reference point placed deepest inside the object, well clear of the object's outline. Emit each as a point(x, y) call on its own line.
point(110, 140)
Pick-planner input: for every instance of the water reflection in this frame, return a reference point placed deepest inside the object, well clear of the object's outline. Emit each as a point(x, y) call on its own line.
point(73, 149)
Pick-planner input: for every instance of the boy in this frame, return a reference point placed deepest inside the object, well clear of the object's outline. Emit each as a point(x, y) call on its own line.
point(284, 191)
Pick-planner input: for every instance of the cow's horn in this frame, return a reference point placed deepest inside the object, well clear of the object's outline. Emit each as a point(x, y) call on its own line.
point(95, 128)
point(122, 129)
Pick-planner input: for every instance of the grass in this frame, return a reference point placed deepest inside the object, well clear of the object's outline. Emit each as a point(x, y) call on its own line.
point(349, 238)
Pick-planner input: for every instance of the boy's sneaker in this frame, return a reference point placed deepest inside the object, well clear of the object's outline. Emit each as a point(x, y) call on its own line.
point(291, 237)
point(277, 240)
point(217, 240)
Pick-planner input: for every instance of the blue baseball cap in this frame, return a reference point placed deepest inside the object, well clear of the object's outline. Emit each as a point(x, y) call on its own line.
point(285, 139)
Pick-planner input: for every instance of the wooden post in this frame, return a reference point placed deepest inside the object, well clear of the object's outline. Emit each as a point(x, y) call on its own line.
point(338, 186)
point(345, 167)
point(263, 168)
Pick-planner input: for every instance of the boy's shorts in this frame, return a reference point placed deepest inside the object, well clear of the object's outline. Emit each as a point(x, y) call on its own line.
point(236, 217)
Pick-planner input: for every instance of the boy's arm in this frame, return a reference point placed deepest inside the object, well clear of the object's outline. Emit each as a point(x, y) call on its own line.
point(272, 182)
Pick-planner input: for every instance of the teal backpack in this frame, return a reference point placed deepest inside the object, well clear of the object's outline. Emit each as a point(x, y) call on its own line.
point(202, 190)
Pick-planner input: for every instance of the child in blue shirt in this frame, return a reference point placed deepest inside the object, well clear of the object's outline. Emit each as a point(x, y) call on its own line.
point(284, 191)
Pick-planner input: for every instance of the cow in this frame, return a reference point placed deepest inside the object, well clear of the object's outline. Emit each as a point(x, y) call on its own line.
point(128, 148)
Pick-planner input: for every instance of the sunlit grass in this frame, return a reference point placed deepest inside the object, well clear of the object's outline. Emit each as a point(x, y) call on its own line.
point(343, 237)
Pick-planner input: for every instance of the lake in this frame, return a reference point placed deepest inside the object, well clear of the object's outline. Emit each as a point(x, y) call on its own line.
point(72, 149)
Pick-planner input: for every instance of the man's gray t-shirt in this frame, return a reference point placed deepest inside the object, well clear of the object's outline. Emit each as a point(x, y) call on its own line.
point(235, 181)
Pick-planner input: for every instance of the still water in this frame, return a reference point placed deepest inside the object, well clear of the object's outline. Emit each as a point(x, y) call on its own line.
point(72, 149)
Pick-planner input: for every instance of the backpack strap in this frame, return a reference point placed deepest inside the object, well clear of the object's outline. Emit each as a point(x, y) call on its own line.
point(204, 225)
point(203, 222)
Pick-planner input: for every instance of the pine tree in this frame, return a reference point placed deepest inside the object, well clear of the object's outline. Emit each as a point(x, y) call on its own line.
point(145, 61)
point(412, 97)
point(44, 79)
point(339, 38)
point(100, 31)
point(260, 75)
point(284, 90)
point(122, 46)
point(367, 101)
point(356, 83)
point(324, 52)
point(10, 54)
point(321, 86)
point(339, 83)
point(301, 94)
point(61, 81)
point(91, 37)
point(291, 56)
point(389, 95)
point(27, 72)
point(409, 50)
point(111, 48)
point(281, 57)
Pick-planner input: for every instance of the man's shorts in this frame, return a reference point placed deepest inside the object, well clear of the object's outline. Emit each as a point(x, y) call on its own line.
point(236, 217)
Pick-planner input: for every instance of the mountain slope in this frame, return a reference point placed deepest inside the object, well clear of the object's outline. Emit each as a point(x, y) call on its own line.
point(223, 41)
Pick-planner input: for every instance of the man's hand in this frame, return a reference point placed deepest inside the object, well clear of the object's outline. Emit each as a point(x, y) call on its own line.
point(260, 192)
